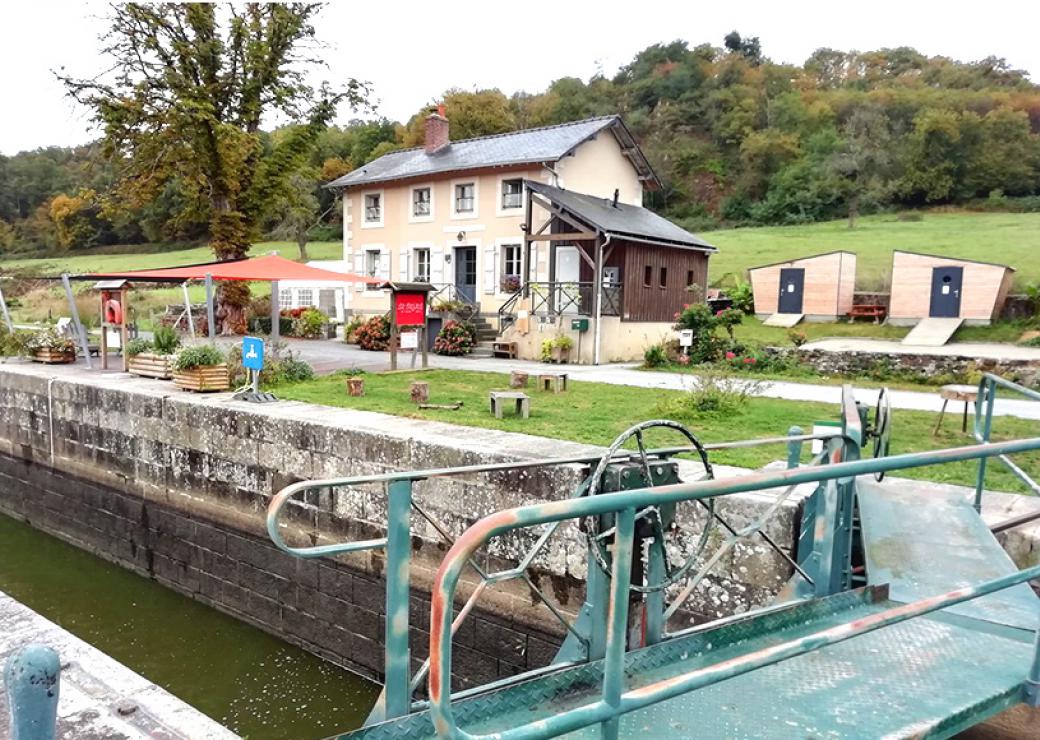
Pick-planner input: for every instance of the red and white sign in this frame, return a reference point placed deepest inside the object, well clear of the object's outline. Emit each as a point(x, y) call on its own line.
point(410, 309)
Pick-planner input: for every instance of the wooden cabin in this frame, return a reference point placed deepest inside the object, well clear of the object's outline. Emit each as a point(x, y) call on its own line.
point(819, 286)
point(929, 286)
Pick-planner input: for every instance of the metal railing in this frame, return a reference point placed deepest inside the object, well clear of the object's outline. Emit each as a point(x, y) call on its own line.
point(560, 298)
point(400, 683)
point(615, 700)
point(448, 294)
point(982, 430)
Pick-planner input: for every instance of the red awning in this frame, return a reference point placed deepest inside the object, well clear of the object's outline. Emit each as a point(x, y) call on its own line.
point(263, 269)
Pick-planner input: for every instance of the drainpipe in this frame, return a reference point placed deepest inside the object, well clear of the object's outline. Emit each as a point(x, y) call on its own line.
point(599, 298)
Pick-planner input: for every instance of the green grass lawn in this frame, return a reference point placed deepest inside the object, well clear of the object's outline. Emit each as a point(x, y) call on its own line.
point(1009, 238)
point(596, 413)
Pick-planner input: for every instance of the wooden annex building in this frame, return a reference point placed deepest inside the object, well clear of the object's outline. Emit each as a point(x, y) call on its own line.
point(929, 286)
point(819, 286)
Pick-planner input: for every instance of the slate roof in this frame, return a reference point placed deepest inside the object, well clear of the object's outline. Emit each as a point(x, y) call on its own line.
point(530, 146)
point(621, 220)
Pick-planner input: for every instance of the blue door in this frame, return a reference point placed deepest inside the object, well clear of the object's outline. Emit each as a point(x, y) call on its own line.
point(946, 292)
point(466, 273)
point(792, 283)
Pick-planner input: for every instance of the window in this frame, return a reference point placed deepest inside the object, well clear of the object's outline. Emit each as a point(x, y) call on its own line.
point(465, 197)
point(422, 265)
point(305, 297)
point(664, 277)
point(689, 278)
point(510, 280)
point(284, 298)
point(373, 208)
point(512, 194)
point(371, 266)
point(648, 276)
point(421, 202)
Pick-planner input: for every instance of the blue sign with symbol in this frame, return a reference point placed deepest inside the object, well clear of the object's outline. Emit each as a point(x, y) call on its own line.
point(253, 353)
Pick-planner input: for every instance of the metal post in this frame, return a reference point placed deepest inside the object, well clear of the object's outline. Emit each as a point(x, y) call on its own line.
point(75, 319)
point(987, 425)
point(654, 604)
point(187, 310)
point(398, 556)
point(32, 676)
point(597, 297)
point(7, 316)
point(1032, 687)
point(209, 308)
point(617, 622)
point(794, 448)
point(276, 312)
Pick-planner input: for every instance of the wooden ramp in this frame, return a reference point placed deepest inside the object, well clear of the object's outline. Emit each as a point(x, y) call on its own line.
point(784, 320)
point(932, 332)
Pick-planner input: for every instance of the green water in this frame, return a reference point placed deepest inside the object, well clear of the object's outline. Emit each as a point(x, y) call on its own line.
point(255, 684)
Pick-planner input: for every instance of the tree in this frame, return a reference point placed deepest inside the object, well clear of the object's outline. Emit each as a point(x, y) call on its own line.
point(189, 87)
point(471, 114)
point(749, 48)
point(297, 208)
point(861, 159)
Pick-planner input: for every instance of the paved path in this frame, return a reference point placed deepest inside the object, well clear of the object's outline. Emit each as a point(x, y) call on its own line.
point(329, 356)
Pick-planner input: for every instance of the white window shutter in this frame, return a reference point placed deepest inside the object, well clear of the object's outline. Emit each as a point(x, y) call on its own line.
point(437, 265)
point(384, 264)
point(359, 268)
point(404, 267)
point(489, 269)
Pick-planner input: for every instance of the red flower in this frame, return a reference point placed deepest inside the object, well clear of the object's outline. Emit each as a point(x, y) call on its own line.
point(748, 360)
point(730, 355)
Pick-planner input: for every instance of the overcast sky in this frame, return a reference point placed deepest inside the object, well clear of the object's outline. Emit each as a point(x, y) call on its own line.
point(412, 51)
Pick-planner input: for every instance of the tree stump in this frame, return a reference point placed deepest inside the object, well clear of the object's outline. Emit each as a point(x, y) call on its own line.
point(420, 391)
point(356, 386)
point(517, 379)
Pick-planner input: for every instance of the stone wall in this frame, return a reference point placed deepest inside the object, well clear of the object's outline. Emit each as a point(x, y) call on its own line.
point(175, 486)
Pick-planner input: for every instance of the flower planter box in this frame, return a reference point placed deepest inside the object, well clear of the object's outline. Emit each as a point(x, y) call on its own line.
point(152, 365)
point(54, 356)
point(200, 379)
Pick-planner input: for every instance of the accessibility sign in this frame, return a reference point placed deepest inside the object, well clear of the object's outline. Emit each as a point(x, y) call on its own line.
point(253, 353)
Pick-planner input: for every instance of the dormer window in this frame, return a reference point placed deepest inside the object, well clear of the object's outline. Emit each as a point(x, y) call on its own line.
point(465, 197)
point(512, 194)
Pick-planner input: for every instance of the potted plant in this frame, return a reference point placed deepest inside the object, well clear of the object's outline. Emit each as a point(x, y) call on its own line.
point(201, 368)
point(557, 350)
point(153, 359)
point(50, 347)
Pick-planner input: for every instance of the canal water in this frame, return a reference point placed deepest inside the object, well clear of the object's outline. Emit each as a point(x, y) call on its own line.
point(253, 683)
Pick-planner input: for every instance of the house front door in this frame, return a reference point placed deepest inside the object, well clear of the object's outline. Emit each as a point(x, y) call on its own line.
point(466, 272)
point(946, 292)
point(792, 283)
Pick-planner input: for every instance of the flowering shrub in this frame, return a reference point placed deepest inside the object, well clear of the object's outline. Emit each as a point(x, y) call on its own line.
point(374, 335)
point(509, 283)
point(797, 337)
point(727, 318)
point(454, 338)
point(698, 318)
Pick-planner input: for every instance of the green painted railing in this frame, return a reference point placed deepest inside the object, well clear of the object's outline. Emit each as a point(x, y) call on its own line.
point(984, 402)
point(614, 700)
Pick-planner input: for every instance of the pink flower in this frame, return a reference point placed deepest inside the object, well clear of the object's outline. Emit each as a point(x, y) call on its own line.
point(730, 355)
point(684, 359)
point(748, 360)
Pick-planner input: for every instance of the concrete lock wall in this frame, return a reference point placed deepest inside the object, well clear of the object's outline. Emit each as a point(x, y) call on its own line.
point(175, 486)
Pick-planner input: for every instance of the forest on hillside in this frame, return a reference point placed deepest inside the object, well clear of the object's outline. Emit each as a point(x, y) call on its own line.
point(737, 139)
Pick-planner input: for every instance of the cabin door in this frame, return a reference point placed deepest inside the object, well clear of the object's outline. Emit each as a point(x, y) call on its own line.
point(466, 273)
point(946, 292)
point(568, 273)
point(792, 284)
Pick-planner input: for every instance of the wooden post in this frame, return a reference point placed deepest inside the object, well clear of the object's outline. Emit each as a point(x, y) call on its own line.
point(518, 379)
point(420, 391)
point(356, 386)
point(393, 330)
point(124, 330)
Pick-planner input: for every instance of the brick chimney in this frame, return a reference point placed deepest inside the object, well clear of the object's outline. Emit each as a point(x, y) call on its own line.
point(436, 131)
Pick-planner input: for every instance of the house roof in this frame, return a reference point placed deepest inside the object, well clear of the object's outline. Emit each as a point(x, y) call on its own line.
point(802, 259)
point(621, 220)
point(955, 259)
point(529, 146)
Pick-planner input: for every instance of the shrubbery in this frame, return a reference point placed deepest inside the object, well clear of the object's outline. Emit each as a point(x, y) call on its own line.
point(281, 365)
point(374, 334)
point(455, 339)
point(201, 355)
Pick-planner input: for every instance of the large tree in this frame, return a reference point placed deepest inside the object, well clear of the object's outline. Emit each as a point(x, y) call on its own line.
point(188, 88)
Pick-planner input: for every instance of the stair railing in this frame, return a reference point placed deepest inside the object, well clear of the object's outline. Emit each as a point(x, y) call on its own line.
point(982, 430)
point(615, 698)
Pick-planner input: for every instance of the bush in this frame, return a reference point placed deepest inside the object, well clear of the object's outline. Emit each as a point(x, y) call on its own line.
point(202, 355)
point(137, 346)
point(14, 343)
point(374, 335)
point(797, 337)
point(561, 342)
point(165, 340)
point(454, 339)
point(351, 329)
point(699, 319)
point(309, 323)
point(654, 356)
point(710, 395)
point(743, 298)
point(280, 366)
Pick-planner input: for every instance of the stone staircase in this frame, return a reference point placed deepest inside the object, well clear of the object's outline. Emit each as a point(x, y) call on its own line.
point(486, 336)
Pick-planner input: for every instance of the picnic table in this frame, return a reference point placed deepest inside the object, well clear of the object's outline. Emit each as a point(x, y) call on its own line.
point(874, 311)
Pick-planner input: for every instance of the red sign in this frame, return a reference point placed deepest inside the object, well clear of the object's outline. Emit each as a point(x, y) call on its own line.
point(410, 309)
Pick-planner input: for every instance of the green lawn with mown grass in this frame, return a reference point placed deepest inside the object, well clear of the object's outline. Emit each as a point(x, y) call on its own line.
point(1007, 238)
point(596, 413)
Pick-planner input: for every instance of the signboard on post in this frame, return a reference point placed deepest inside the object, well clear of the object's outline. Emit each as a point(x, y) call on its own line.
point(409, 308)
point(686, 338)
point(253, 353)
point(409, 340)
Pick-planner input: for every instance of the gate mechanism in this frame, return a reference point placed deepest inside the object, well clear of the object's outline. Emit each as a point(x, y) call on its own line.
point(880, 430)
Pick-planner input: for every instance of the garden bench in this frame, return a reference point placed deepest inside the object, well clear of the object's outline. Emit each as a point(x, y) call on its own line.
point(504, 349)
point(868, 311)
point(555, 382)
point(522, 400)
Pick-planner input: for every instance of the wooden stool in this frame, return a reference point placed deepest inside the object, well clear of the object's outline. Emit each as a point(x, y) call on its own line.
point(523, 403)
point(420, 391)
point(504, 349)
point(518, 379)
point(555, 382)
point(966, 393)
point(356, 386)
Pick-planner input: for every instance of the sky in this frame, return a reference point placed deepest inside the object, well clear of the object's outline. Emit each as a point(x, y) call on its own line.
point(412, 51)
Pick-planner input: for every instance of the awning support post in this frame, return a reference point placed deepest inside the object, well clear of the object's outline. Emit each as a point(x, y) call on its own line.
point(187, 310)
point(7, 315)
point(276, 312)
point(80, 331)
point(597, 296)
point(209, 308)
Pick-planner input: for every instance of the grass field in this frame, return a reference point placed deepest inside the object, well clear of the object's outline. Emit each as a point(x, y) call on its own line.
point(1008, 238)
point(596, 413)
